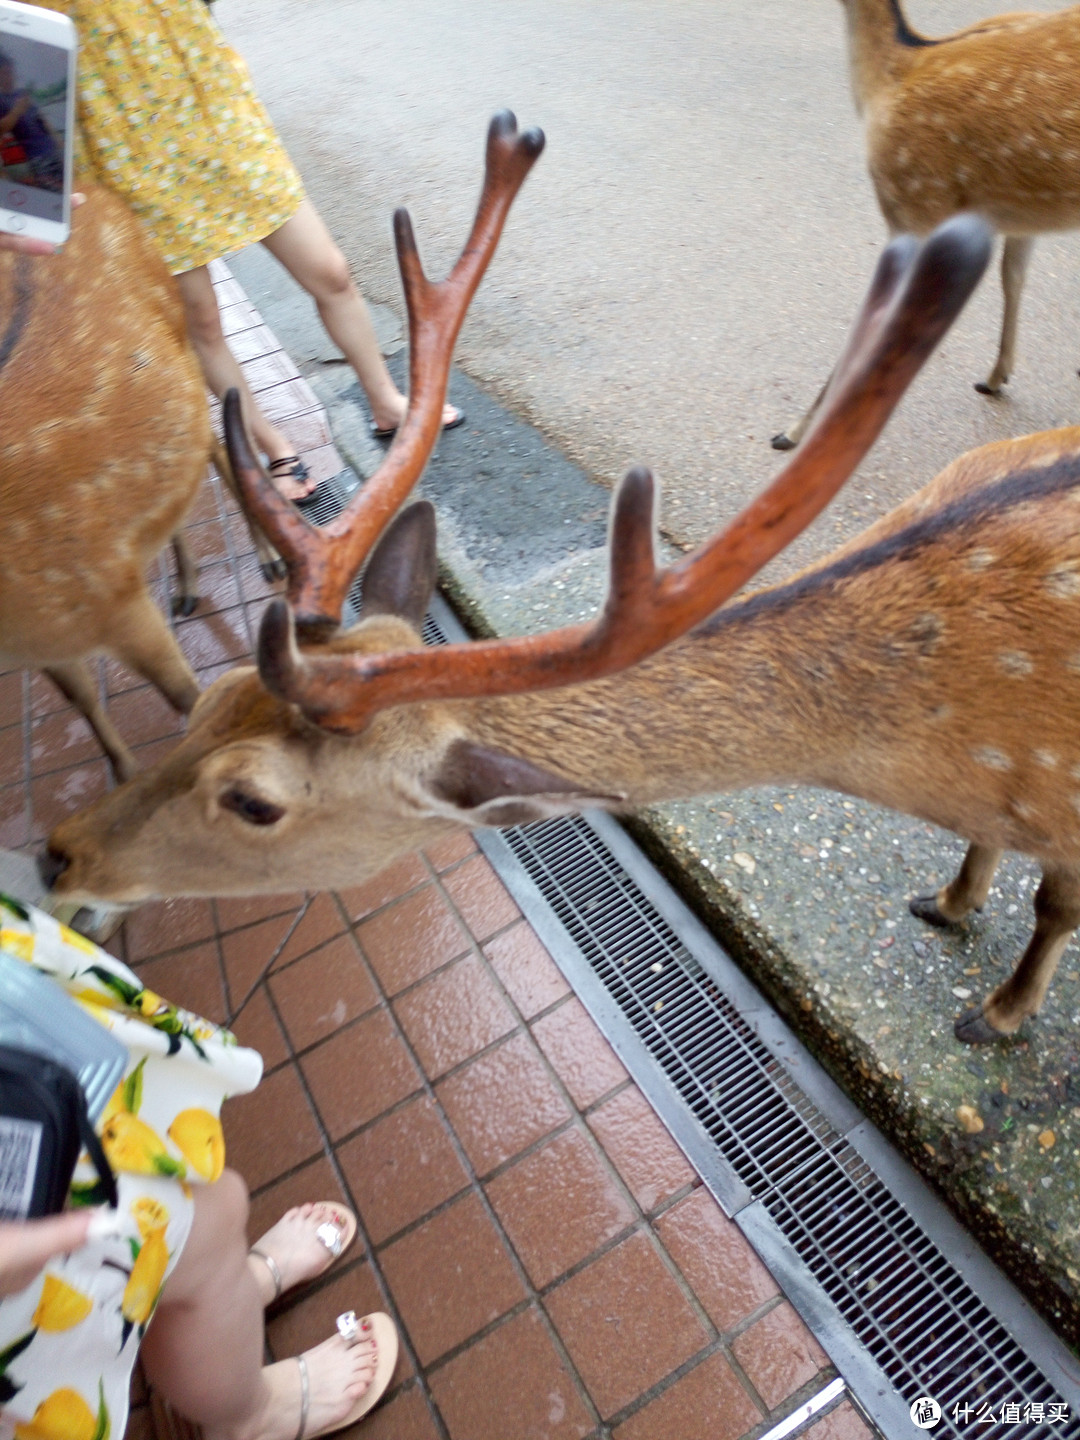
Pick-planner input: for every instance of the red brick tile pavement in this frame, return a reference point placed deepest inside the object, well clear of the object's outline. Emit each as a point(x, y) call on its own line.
point(555, 1267)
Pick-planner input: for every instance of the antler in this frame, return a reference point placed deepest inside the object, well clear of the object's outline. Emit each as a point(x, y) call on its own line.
point(322, 562)
point(915, 295)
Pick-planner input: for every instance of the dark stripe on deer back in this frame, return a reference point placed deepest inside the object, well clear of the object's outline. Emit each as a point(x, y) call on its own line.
point(1014, 489)
point(22, 287)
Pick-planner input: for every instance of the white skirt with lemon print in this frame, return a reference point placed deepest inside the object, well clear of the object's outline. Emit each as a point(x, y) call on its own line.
point(68, 1342)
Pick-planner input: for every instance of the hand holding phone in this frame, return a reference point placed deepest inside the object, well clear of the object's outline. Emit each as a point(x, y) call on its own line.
point(37, 114)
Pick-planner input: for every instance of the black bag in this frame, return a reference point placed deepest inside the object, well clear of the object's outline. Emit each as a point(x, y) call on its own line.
point(43, 1129)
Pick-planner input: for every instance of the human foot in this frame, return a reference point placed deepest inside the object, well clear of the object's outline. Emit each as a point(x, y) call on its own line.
point(304, 1242)
point(331, 1386)
point(384, 424)
point(290, 477)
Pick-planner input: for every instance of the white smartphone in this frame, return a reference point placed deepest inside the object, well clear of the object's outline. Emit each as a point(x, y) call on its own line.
point(37, 120)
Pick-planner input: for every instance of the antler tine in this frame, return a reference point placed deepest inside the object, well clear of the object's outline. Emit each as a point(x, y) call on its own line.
point(922, 291)
point(327, 559)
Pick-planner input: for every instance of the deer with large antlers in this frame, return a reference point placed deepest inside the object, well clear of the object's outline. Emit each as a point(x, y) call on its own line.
point(104, 442)
point(898, 669)
point(985, 120)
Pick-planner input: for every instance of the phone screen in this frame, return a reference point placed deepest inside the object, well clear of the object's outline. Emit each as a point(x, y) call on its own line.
point(34, 141)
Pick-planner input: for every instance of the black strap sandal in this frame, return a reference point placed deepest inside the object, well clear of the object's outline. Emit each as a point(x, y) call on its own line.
point(290, 467)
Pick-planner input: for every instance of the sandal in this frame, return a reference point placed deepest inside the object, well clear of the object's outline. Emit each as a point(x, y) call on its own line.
point(384, 1333)
point(334, 1235)
point(388, 434)
point(290, 467)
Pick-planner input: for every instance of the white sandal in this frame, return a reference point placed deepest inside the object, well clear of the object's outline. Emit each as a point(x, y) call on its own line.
point(351, 1330)
point(334, 1235)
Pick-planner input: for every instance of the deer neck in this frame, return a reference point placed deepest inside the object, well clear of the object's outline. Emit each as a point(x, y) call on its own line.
point(882, 47)
point(742, 701)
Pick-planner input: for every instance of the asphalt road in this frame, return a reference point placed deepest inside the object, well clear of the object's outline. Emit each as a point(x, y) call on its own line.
point(681, 268)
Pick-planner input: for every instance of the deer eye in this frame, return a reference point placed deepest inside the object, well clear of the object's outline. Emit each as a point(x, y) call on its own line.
point(251, 808)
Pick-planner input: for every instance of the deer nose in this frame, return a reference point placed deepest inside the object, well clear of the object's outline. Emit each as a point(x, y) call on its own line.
point(51, 865)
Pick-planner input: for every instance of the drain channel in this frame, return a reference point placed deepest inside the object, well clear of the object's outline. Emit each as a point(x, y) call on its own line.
point(855, 1238)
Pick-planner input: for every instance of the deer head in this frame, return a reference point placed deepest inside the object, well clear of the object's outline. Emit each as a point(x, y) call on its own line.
point(346, 748)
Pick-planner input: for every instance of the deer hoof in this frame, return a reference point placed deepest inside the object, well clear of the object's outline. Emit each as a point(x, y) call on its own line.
point(973, 1028)
point(985, 388)
point(925, 907)
point(274, 570)
point(781, 442)
point(184, 605)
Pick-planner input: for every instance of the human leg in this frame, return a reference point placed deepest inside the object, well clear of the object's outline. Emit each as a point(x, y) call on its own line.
point(307, 250)
point(222, 372)
point(203, 1348)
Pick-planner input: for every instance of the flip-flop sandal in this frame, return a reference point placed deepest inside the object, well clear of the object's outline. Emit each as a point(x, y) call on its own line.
point(334, 1235)
point(377, 434)
point(386, 1348)
point(295, 470)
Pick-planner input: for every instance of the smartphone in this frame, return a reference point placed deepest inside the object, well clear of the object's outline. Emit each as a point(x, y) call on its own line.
point(37, 121)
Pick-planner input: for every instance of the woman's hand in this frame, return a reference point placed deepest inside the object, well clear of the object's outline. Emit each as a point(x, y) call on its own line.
point(25, 245)
point(26, 1246)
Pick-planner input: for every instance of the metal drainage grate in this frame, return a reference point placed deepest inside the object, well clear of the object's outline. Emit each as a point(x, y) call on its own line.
point(809, 1194)
point(899, 1319)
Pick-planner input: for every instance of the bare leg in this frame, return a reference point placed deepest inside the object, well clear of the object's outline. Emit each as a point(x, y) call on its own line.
point(1014, 262)
point(1057, 914)
point(967, 892)
point(73, 681)
point(204, 1347)
point(307, 250)
point(187, 577)
point(222, 372)
point(143, 640)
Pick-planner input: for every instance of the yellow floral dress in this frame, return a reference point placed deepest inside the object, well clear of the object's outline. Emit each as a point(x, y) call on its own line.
point(170, 119)
point(69, 1341)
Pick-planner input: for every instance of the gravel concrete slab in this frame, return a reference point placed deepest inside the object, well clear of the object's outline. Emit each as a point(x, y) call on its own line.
point(673, 285)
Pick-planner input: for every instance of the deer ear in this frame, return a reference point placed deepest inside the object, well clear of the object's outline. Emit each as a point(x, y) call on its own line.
point(403, 568)
point(482, 786)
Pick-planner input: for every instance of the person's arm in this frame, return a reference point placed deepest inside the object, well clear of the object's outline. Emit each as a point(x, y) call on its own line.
point(26, 1247)
point(15, 114)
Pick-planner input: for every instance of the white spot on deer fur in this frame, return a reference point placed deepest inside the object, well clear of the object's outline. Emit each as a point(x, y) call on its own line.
point(1046, 758)
point(1073, 662)
point(1015, 663)
point(981, 559)
point(1062, 584)
point(990, 757)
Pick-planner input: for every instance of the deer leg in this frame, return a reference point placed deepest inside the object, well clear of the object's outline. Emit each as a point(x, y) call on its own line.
point(187, 578)
point(789, 438)
point(967, 892)
point(72, 679)
point(271, 564)
point(141, 638)
point(1014, 262)
point(1057, 914)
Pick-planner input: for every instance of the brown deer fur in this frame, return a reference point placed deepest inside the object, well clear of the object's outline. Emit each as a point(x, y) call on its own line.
point(931, 665)
point(987, 120)
point(104, 441)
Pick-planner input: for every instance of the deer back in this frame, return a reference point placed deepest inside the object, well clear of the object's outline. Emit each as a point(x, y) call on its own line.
point(105, 435)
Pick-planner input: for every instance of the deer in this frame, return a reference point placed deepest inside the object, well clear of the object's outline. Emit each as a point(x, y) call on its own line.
point(105, 441)
point(984, 120)
point(900, 669)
